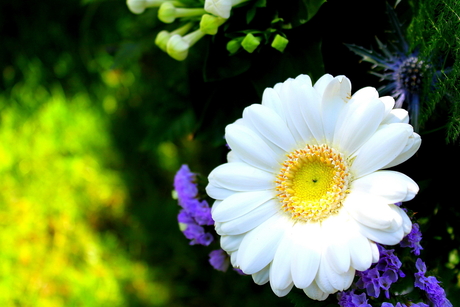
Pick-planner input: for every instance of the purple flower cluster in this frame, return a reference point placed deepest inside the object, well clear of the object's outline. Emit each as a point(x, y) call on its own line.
point(404, 305)
point(195, 213)
point(350, 299)
point(430, 285)
point(413, 239)
point(382, 275)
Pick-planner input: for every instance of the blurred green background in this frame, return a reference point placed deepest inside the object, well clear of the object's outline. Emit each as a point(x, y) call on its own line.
point(89, 144)
point(94, 123)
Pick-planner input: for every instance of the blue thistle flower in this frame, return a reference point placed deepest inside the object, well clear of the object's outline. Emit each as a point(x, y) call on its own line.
point(404, 71)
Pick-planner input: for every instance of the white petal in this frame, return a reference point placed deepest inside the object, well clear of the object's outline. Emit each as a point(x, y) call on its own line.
point(305, 80)
point(383, 147)
point(357, 122)
point(232, 157)
point(218, 192)
point(370, 210)
point(397, 116)
point(282, 292)
point(251, 148)
point(347, 278)
point(336, 250)
point(407, 223)
point(270, 125)
point(239, 176)
point(330, 282)
point(412, 145)
point(249, 220)
point(231, 243)
point(360, 251)
point(293, 95)
point(239, 204)
point(366, 94)
point(233, 257)
point(315, 293)
point(271, 99)
point(380, 236)
point(321, 84)
point(259, 246)
point(280, 272)
point(327, 279)
point(336, 94)
point(311, 113)
point(391, 185)
point(375, 252)
point(389, 103)
point(307, 253)
point(263, 276)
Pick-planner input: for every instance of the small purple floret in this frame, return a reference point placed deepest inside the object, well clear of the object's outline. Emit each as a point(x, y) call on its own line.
point(413, 239)
point(385, 272)
point(219, 260)
point(430, 285)
point(350, 299)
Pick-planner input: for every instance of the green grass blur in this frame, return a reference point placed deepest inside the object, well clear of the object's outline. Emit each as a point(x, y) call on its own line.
point(89, 144)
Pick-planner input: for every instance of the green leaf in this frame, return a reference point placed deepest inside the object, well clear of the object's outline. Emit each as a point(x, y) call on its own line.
point(301, 12)
point(251, 13)
point(299, 57)
point(220, 65)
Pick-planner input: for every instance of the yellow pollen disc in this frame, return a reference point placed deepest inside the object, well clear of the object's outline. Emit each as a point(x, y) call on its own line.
point(313, 182)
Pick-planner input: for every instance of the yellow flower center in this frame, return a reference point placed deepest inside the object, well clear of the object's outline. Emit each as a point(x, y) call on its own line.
point(313, 182)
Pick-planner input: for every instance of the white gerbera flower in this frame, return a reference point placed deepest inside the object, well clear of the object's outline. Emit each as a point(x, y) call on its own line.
point(302, 200)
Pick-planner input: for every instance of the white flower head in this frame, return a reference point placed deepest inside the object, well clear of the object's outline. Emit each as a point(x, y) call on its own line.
point(304, 199)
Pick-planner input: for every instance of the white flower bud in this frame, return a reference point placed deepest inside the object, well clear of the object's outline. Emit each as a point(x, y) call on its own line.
point(221, 8)
point(168, 12)
point(139, 6)
point(163, 36)
point(178, 46)
point(209, 24)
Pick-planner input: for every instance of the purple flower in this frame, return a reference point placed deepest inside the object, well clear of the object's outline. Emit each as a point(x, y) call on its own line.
point(404, 305)
point(219, 260)
point(369, 280)
point(184, 184)
point(430, 285)
point(413, 239)
point(195, 213)
point(350, 299)
point(385, 272)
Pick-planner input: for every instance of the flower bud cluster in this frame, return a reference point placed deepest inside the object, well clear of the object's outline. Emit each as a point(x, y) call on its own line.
point(198, 21)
